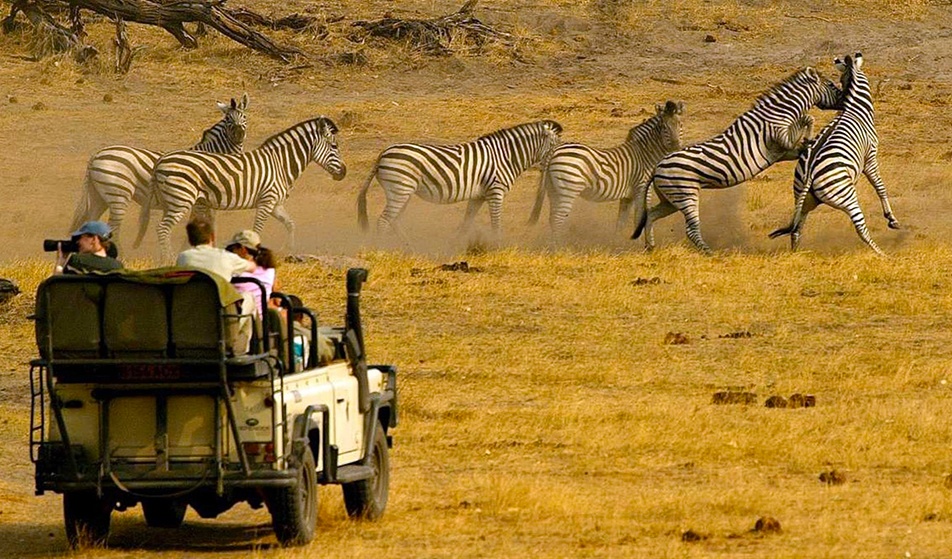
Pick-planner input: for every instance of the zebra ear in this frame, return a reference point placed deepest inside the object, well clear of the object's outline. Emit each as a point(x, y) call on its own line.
point(839, 65)
point(555, 126)
point(672, 108)
point(330, 126)
point(223, 107)
point(244, 101)
point(680, 107)
point(858, 60)
point(812, 74)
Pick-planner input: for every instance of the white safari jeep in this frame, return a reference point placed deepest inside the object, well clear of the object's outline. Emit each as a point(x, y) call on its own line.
point(138, 398)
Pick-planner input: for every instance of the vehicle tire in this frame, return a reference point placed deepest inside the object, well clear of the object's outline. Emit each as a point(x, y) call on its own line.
point(366, 499)
point(164, 513)
point(294, 509)
point(87, 518)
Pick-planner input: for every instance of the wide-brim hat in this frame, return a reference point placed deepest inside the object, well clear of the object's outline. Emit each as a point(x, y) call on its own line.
point(247, 238)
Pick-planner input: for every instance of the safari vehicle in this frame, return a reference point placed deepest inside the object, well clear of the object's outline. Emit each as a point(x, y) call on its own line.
point(138, 397)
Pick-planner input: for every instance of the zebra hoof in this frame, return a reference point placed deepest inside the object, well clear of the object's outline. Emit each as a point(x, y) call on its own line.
point(893, 224)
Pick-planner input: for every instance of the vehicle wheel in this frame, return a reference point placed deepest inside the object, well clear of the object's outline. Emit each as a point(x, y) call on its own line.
point(294, 509)
point(87, 518)
point(164, 513)
point(367, 498)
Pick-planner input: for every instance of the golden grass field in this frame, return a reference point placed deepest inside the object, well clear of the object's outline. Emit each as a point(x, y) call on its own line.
point(543, 413)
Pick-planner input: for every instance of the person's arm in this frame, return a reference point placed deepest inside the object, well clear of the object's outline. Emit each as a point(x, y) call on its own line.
point(239, 265)
point(61, 260)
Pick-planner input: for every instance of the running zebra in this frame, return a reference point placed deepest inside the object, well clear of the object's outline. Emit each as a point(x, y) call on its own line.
point(828, 170)
point(619, 173)
point(775, 129)
point(116, 175)
point(479, 171)
point(260, 179)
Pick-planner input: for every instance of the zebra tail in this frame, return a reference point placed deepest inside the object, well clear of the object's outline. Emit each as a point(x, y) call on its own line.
point(81, 214)
point(362, 202)
point(144, 212)
point(540, 198)
point(641, 206)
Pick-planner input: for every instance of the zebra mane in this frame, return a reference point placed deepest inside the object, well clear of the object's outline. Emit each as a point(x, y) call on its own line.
point(798, 77)
point(641, 130)
point(281, 138)
point(555, 126)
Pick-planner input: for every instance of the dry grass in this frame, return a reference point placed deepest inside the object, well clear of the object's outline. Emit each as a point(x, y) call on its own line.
point(542, 413)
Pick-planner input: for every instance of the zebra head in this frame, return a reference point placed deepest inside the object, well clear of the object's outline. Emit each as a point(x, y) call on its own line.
point(235, 120)
point(669, 118)
point(324, 152)
point(826, 95)
point(551, 139)
point(854, 81)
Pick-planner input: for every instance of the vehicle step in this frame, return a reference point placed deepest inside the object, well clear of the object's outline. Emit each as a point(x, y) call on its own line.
point(354, 472)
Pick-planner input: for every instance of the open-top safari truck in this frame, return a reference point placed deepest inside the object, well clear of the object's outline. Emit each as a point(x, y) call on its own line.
point(140, 398)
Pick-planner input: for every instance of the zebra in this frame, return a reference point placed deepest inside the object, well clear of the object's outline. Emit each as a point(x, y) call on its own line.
point(775, 129)
point(479, 171)
point(828, 170)
point(261, 178)
point(116, 175)
point(619, 173)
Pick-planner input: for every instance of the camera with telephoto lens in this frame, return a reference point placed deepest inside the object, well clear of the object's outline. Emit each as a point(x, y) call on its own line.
point(49, 245)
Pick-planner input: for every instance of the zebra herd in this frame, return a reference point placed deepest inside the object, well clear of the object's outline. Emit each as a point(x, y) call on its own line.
point(216, 175)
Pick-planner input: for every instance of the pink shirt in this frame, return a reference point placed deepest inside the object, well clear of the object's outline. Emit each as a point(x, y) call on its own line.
point(265, 276)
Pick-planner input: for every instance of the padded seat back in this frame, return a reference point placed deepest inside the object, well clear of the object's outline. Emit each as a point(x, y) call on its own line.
point(135, 320)
point(196, 320)
point(68, 316)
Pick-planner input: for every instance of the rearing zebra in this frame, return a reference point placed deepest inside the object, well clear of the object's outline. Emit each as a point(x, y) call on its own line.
point(261, 178)
point(828, 170)
point(773, 130)
point(479, 171)
point(116, 175)
point(620, 173)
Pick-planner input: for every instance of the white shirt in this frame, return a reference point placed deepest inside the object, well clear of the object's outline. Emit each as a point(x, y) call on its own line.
point(215, 260)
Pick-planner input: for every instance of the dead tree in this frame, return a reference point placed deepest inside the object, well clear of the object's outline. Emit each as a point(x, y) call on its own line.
point(50, 36)
point(170, 15)
point(435, 35)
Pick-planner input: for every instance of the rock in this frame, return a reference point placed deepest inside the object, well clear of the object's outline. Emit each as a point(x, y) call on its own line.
point(767, 525)
point(8, 290)
point(710, 39)
point(107, 98)
point(776, 402)
point(801, 401)
point(692, 536)
point(39, 106)
point(676, 338)
point(833, 477)
point(733, 397)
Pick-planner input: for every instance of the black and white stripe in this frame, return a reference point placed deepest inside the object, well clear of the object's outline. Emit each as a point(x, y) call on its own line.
point(827, 172)
point(260, 179)
point(117, 175)
point(597, 175)
point(479, 171)
point(773, 130)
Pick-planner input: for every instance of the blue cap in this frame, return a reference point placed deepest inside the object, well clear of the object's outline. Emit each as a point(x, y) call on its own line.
point(97, 228)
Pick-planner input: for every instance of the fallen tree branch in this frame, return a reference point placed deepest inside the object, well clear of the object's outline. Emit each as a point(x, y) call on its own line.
point(435, 35)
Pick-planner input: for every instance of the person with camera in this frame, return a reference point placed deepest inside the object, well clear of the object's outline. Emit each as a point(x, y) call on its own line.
point(87, 250)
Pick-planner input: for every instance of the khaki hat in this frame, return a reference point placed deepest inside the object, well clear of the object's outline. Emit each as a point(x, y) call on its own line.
point(246, 238)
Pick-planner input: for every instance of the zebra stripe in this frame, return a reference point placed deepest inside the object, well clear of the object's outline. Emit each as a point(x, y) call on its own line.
point(259, 179)
point(828, 171)
point(619, 173)
point(479, 171)
point(117, 175)
point(773, 130)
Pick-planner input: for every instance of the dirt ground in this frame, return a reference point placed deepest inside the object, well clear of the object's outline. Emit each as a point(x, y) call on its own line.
point(595, 76)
